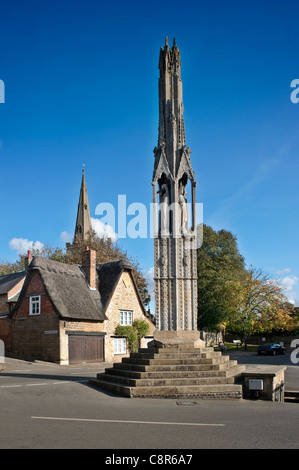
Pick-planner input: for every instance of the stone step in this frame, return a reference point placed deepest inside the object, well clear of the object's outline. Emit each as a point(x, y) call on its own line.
point(136, 367)
point(173, 382)
point(173, 372)
point(175, 360)
point(175, 350)
point(176, 374)
point(201, 391)
point(171, 355)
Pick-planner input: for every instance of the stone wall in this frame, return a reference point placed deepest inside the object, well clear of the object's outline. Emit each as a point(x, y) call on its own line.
point(124, 298)
point(210, 338)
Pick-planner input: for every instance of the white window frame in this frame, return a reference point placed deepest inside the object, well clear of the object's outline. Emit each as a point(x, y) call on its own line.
point(126, 317)
point(120, 345)
point(35, 305)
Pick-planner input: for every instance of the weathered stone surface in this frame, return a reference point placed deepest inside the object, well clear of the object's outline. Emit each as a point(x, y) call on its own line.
point(272, 379)
point(173, 372)
point(176, 363)
point(175, 235)
point(181, 339)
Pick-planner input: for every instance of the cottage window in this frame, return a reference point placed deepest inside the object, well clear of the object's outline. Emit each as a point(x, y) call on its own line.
point(126, 317)
point(34, 305)
point(120, 345)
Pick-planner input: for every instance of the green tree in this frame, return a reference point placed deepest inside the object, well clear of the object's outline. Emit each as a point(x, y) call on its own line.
point(134, 332)
point(130, 333)
point(57, 254)
point(221, 270)
point(7, 267)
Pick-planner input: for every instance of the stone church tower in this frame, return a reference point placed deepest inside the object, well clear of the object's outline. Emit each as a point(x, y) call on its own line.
point(174, 215)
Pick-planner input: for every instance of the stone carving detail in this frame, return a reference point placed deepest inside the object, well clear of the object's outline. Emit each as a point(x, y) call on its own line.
point(175, 247)
point(164, 204)
point(184, 209)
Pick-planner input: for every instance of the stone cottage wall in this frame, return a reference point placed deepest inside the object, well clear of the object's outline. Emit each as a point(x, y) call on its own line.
point(124, 298)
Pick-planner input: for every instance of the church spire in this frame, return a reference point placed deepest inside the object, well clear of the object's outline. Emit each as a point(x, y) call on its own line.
point(83, 229)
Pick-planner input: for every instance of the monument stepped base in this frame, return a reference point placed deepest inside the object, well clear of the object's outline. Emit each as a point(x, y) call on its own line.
point(176, 339)
point(173, 372)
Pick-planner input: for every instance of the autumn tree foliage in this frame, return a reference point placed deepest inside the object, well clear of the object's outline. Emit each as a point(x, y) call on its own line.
point(262, 306)
point(236, 298)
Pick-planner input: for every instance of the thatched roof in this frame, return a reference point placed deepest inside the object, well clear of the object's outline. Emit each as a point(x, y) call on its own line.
point(68, 290)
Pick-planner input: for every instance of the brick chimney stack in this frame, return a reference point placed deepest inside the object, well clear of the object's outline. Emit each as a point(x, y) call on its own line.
point(89, 266)
point(28, 260)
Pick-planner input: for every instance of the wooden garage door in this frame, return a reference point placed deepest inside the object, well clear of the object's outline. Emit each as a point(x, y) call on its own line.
point(84, 348)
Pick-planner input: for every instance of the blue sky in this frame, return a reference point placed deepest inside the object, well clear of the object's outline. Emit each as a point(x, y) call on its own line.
point(81, 86)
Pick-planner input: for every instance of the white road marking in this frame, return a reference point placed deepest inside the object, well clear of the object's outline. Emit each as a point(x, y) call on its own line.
point(61, 382)
point(34, 385)
point(125, 422)
point(10, 386)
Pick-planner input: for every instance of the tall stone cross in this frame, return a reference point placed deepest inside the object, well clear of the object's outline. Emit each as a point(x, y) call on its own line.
point(174, 214)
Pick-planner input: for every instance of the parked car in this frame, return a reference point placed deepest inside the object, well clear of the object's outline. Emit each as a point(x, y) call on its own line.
point(273, 348)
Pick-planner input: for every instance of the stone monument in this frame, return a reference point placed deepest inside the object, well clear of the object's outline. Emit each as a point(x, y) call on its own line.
point(174, 230)
point(176, 363)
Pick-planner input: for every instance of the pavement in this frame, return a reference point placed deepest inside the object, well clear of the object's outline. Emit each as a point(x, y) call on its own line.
point(50, 406)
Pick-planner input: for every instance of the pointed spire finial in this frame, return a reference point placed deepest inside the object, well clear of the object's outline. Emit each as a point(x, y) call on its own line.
point(166, 41)
point(83, 227)
point(174, 41)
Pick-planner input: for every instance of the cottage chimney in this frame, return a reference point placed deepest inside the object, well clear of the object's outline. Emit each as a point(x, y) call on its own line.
point(28, 260)
point(89, 266)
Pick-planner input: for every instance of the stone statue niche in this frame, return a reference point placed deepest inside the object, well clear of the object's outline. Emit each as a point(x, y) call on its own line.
point(165, 219)
point(184, 212)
